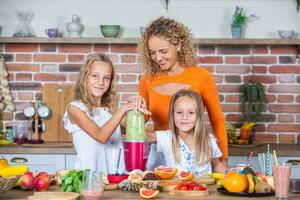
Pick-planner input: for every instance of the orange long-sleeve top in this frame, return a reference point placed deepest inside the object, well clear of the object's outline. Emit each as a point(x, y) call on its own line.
point(199, 80)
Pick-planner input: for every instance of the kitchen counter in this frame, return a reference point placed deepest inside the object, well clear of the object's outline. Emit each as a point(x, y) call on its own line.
point(282, 150)
point(18, 194)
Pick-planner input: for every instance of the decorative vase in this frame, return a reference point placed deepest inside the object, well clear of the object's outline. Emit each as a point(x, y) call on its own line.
point(236, 32)
point(75, 28)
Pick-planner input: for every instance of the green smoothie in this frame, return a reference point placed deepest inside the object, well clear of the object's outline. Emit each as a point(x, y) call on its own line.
point(135, 126)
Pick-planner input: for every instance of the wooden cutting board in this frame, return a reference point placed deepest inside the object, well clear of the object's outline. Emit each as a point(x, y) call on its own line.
point(57, 97)
point(188, 193)
point(203, 179)
point(54, 196)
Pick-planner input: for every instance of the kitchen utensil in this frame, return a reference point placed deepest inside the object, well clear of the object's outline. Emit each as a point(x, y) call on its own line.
point(57, 97)
point(20, 132)
point(135, 153)
point(91, 186)
point(54, 195)
point(110, 30)
point(24, 28)
point(112, 158)
point(282, 175)
point(52, 32)
point(286, 34)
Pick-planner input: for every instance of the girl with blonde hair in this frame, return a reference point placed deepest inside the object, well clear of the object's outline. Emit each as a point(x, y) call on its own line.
point(187, 145)
point(92, 118)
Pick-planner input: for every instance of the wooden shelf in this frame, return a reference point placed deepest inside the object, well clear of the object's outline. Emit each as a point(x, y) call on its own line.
point(96, 40)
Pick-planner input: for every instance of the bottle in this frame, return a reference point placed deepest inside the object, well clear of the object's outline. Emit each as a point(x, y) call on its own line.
point(9, 134)
point(75, 28)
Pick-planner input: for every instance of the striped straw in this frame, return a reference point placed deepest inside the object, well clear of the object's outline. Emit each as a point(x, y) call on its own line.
point(249, 158)
point(275, 157)
point(268, 161)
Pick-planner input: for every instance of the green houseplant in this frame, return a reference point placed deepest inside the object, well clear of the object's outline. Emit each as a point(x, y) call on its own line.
point(252, 101)
point(239, 20)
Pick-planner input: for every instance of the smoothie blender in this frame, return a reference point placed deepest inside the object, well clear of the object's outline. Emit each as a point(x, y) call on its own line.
point(135, 146)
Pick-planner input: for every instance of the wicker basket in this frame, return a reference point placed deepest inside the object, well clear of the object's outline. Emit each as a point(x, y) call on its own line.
point(7, 183)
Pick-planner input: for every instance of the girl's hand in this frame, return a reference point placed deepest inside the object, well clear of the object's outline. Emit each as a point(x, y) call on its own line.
point(138, 103)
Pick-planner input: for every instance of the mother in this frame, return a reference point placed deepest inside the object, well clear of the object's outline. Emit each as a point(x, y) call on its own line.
point(167, 53)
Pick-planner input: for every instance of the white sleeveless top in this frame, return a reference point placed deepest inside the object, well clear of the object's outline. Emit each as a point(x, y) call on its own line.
point(90, 153)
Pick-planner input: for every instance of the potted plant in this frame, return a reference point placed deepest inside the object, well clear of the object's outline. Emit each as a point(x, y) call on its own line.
point(252, 101)
point(239, 20)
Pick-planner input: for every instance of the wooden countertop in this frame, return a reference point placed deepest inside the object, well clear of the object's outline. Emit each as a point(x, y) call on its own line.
point(282, 150)
point(101, 40)
point(18, 194)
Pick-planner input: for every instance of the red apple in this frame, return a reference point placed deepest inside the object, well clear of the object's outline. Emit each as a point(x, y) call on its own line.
point(45, 174)
point(27, 181)
point(41, 183)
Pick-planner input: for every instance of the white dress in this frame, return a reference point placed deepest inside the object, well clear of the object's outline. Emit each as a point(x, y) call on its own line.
point(164, 145)
point(90, 153)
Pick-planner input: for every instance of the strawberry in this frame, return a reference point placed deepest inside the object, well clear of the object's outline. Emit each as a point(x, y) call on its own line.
point(201, 188)
point(192, 184)
point(183, 188)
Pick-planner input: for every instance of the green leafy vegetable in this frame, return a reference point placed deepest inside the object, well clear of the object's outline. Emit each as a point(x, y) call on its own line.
point(71, 181)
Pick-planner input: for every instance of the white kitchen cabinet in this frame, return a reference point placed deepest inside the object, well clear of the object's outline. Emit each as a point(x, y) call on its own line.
point(233, 160)
point(49, 163)
point(70, 161)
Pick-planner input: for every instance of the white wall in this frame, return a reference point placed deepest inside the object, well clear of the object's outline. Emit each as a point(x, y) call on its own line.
point(206, 18)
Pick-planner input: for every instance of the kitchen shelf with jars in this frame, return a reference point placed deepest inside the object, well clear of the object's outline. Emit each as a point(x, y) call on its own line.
point(110, 40)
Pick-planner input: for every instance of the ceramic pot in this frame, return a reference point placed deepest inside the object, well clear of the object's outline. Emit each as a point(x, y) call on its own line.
point(236, 32)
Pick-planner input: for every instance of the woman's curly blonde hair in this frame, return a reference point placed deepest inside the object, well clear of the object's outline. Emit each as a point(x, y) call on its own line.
point(83, 94)
point(173, 31)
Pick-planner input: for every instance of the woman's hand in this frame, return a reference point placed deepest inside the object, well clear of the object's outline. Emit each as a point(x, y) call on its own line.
point(138, 103)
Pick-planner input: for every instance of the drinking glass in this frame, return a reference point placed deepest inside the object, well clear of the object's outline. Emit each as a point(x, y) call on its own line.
point(112, 157)
point(20, 132)
point(91, 186)
point(262, 161)
point(281, 174)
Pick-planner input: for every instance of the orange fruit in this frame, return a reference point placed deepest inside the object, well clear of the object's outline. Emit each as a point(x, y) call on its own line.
point(164, 172)
point(235, 182)
point(186, 176)
point(148, 193)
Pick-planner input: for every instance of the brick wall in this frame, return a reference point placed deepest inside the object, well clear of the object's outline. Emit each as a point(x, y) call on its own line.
point(32, 65)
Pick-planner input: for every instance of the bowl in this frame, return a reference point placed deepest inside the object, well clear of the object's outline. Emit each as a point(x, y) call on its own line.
point(116, 178)
point(7, 183)
point(110, 30)
point(286, 34)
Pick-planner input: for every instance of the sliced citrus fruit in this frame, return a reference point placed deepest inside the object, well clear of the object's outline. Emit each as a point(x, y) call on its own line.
point(186, 175)
point(164, 172)
point(148, 193)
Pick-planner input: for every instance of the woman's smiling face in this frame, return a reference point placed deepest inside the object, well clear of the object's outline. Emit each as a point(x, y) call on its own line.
point(163, 52)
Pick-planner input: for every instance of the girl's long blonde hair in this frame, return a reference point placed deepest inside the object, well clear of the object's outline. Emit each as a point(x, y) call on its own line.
point(202, 141)
point(83, 94)
point(174, 32)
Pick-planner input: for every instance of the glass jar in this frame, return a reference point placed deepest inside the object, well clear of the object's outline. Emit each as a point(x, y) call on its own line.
point(24, 28)
point(135, 126)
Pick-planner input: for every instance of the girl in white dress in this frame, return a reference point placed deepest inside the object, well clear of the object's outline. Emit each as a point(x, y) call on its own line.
point(88, 117)
point(188, 146)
